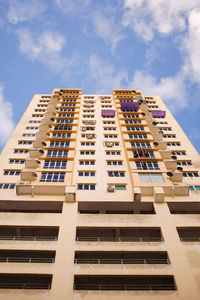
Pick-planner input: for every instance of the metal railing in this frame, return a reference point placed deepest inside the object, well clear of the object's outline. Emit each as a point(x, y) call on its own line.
point(190, 239)
point(124, 287)
point(120, 261)
point(119, 239)
point(27, 259)
point(29, 238)
point(18, 285)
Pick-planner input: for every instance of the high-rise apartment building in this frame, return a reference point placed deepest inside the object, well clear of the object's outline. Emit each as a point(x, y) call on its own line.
point(99, 200)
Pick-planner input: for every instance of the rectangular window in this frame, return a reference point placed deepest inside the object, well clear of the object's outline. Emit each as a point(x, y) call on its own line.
point(114, 163)
point(110, 136)
point(87, 152)
point(59, 144)
point(90, 187)
point(184, 163)
point(190, 174)
point(194, 187)
point(120, 187)
point(57, 153)
point(140, 145)
point(151, 177)
point(132, 122)
point(178, 153)
point(136, 128)
point(64, 121)
point(87, 144)
point(31, 128)
point(55, 164)
point(147, 165)
point(137, 136)
point(110, 128)
point(20, 151)
point(11, 172)
point(25, 142)
point(86, 173)
point(62, 135)
point(52, 177)
point(7, 186)
point(87, 162)
point(16, 161)
point(116, 174)
point(113, 152)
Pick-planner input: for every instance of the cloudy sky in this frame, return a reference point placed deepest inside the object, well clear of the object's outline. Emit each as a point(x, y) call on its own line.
point(152, 45)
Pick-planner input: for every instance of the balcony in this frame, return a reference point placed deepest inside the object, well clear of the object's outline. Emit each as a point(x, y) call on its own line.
point(189, 234)
point(25, 281)
point(91, 257)
point(27, 233)
point(100, 234)
point(26, 256)
point(31, 206)
point(88, 207)
point(116, 283)
point(184, 207)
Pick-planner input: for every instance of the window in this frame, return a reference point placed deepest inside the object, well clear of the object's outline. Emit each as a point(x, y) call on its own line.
point(59, 144)
point(114, 163)
point(28, 134)
point(20, 151)
point(16, 161)
point(66, 109)
point(87, 152)
point(194, 187)
point(62, 135)
point(151, 177)
point(68, 104)
point(113, 152)
point(37, 116)
point(64, 121)
point(7, 186)
point(137, 136)
point(116, 174)
point(87, 144)
point(52, 177)
point(11, 172)
point(63, 128)
point(166, 128)
point(178, 153)
point(173, 144)
point(130, 116)
point(110, 128)
point(135, 128)
point(86, 173)
point(66, 115)
point(87, 162)
point(88, 116)
point(184, 163)
point(132, 122)
point(31, 128)
point(143, 154)
point(140, 145)
point(147, 165)
point(86, 187)
point(169, 136)
point(110, 136)
point(34, 121)
point(158, 122)
point(25, 142)
point(108, 122)
point(55, 164)
point(190, 174)
point(120, 187)
point(57, 153)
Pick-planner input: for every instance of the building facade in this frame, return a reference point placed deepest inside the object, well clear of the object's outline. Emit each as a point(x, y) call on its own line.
point(99, 200)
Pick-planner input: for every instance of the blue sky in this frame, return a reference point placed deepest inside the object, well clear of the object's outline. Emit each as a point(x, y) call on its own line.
point(152, 45)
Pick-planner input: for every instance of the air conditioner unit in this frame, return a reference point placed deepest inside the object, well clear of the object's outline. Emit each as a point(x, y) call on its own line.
point(110, 188)
point(109, 144)
point(89, 136)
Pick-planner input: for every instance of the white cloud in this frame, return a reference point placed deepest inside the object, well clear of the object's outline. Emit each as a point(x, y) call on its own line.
point(72, 6)
point(190, 47)
point(6, 118)
point(146, 17)
point(105, 75)
point(108, 29)
point(171, 89)
point(47, 48)
point(23, 10)
point(39, 47)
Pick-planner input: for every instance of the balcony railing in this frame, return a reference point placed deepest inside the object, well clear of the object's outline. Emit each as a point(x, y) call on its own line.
point(119, 239)
point(120, 261)
point(124, 287)
point(29, 238)
point(27, 259)
point(190, 239)
point(18, 285)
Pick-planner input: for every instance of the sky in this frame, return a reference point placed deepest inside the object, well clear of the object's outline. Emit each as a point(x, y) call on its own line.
point(150, 45)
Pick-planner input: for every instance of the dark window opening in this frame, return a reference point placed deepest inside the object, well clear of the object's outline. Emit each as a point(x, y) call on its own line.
point(25, 281)
point(31, 206)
